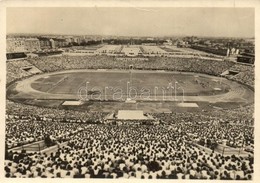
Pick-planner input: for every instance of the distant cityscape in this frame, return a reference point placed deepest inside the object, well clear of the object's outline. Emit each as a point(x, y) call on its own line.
point(32, 45)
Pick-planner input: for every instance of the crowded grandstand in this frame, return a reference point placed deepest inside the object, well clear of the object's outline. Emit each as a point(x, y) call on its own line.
point(53, 142)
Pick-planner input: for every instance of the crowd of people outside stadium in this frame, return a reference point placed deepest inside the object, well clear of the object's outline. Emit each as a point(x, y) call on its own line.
point(101, 150)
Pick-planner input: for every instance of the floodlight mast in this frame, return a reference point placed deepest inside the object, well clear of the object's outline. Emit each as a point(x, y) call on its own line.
point(182, 93)
point(175, 87)
point(87, 89)
point(129, 82)
point(130, 69)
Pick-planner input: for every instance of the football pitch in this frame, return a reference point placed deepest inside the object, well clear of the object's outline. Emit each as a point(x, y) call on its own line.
point(137, 85)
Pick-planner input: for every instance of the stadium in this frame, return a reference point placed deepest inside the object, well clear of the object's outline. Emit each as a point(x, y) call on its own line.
point(98, 116)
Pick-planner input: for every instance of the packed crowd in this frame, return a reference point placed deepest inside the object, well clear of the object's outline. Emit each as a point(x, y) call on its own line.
point(241, 118)
point(246, 74)
point(15, 70)
point(128, 151)
point(21, 130)
point(246, 77)
point(144, 152)
point(103, 62)
point(16, 109)
point(110, 151)
point(234, 127)
point(26, 123)
point(51, 64)
point(243, 115)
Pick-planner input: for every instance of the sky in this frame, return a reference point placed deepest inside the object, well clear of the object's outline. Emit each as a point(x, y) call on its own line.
point(128, 21)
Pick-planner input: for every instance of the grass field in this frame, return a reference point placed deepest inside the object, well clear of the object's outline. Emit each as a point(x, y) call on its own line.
point(51, 89)
point(152, 82)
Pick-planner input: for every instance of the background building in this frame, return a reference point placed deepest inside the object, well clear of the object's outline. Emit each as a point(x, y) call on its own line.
point(14, 45)
point(32, 44)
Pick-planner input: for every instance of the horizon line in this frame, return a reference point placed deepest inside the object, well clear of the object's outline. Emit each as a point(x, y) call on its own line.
point(62, 34)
